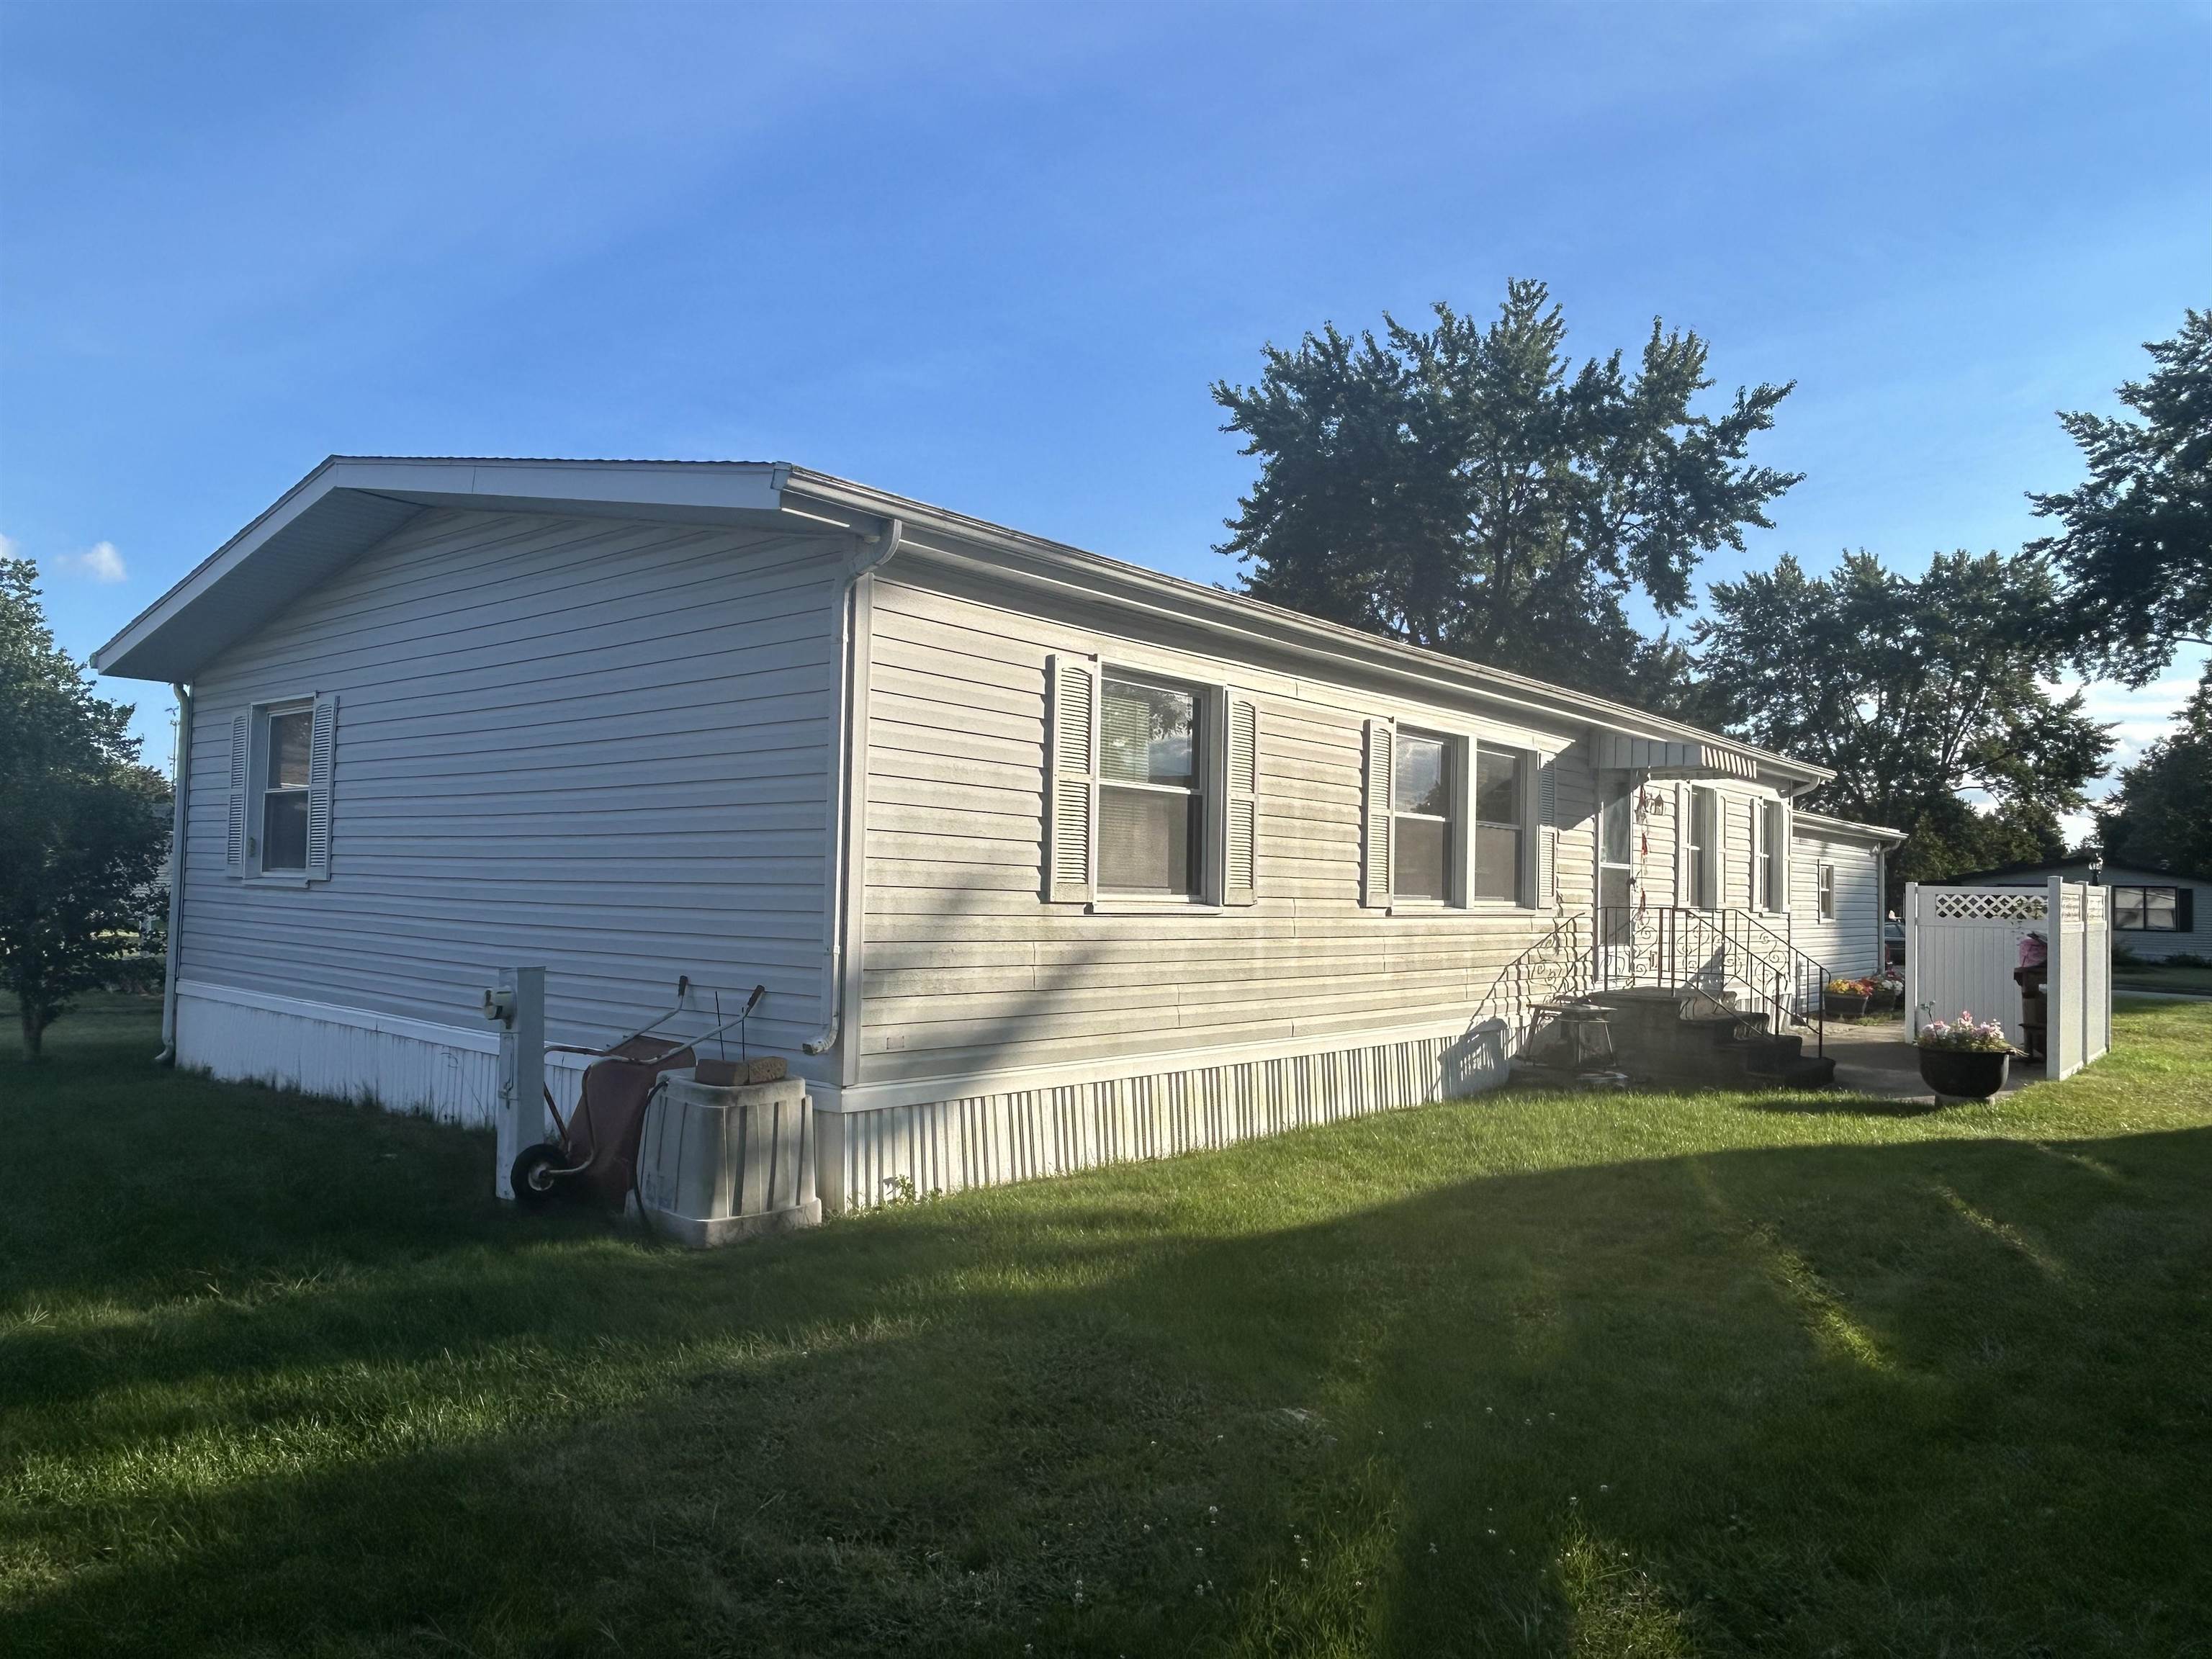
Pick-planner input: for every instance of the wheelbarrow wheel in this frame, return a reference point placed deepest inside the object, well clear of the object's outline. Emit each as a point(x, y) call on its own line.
point(535, 1175)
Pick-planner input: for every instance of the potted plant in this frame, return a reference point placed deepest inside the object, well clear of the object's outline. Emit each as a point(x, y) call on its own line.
point(1888, 993)
point(1965, 1058)
point(1847, 998)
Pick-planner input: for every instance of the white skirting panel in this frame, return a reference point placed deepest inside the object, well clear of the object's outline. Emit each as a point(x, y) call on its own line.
point(447, 1072)
point(871, 1155)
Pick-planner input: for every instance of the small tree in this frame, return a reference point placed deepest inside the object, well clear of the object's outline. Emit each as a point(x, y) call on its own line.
point(1914, 692)
point(1469, 490)
point(2135, 554)
point(83, 824)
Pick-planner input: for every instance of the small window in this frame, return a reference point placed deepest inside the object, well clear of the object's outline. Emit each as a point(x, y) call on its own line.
point(1498, 785)
point(1701, 829)
point(284, 790)
point(1827, 892)
point(1421, 808)
point(1770, 855)
point(2147, 909)
point(1151, 804)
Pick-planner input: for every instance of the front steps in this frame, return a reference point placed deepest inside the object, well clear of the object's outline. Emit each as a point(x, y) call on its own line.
point(1691, 1039)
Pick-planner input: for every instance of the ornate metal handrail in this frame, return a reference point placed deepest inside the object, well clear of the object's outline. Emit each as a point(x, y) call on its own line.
point(1555, 967)
point(1675, 947)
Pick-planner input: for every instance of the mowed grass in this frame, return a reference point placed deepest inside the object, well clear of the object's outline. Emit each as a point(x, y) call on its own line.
point(1593, 1376)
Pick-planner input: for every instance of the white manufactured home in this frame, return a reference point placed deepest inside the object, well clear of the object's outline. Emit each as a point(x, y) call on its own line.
point(1044, 860)
point(2155, 913)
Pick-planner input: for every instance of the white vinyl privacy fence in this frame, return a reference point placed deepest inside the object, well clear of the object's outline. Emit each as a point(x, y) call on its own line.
point(1961, 944)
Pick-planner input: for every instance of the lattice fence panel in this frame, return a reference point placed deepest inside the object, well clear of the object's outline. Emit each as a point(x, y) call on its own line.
point(1988, 904)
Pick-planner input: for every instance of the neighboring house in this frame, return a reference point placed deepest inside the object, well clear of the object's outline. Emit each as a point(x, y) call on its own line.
point(1045, 860)
point(2154, 912)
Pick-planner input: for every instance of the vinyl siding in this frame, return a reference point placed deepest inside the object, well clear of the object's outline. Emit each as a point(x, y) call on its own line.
point(966, 968)
point(2149, 945)
point(1851, 944)
point(603, 747)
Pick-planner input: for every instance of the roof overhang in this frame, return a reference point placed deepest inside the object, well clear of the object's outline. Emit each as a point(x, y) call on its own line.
point(1689, 757)
point(1820, 823)
point(349, 503)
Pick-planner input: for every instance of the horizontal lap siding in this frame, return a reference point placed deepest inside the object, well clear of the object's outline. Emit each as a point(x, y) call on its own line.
point(966, 968)
point(601, 746)
point(1851, 944)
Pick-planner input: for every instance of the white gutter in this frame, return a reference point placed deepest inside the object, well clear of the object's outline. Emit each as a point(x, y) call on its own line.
point(872, 558)
point(181, 790)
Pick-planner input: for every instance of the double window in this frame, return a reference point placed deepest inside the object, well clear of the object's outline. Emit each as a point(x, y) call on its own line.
point(1151, 798)
point(1438, 824)
point(2147, 909)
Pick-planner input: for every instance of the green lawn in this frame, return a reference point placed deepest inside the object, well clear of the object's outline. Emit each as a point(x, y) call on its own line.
point(1593, 1376)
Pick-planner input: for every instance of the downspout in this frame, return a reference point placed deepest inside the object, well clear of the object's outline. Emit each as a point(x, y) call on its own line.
point(180, 789)
point(872, 558)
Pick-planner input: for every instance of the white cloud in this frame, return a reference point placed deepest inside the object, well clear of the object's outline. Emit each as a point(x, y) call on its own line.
point(7, 547)
point(2139, 716)
point(100, 562)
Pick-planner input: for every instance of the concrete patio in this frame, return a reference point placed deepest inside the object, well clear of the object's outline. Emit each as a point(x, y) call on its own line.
point(1875, 1058)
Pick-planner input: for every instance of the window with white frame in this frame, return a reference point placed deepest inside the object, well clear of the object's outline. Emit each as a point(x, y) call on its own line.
point(1499, 781)
point(1703, 829)
point(1423, 807)
point(283, 818)
point(1827, 892)
point(1768, 821)
point(1152, 792)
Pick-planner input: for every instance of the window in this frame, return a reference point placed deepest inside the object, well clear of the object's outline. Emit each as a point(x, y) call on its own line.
point(2147, 909)
point(1701, 829)
point(1151, 803)
point(1616, 850)
point(1827, 892)
point(284, 791)
point(1497, 824)
point(1422, 794)
point(1768, 823)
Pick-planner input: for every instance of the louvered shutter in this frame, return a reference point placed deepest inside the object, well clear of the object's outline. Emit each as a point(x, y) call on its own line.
point(1784, 834)
point(322, 745)
point(1375, 789)
point(241, 741)
point(1070, 779)
point(2185, 910)
point(1240, 806)
point(1547, 833)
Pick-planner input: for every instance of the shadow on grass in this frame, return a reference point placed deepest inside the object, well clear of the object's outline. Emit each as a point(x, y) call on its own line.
point(1899, 1397)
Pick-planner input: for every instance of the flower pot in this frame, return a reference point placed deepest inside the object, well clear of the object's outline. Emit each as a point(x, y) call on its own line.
point(1840, 1006)
point(1965, 1073)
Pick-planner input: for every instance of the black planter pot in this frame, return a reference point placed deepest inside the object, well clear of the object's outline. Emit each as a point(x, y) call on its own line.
point(1965, 1073)
point(1839, 1006)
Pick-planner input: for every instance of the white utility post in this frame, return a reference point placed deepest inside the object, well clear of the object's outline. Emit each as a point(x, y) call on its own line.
point(518, 1006)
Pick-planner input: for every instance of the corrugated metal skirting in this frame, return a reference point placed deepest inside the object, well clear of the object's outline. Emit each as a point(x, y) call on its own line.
point(984, 1140)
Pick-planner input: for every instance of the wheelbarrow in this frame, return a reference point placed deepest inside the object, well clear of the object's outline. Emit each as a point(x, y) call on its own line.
point(594, 1158)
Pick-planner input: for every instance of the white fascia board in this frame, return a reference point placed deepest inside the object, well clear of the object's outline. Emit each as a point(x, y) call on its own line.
point(1010, 555)
point(1820, 824)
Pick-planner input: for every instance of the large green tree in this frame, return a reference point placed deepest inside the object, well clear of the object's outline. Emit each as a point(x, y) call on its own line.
point(83, 824)
point(1469, 488)
point(2162, 814)
point(2135, 552)
point(1921, 695)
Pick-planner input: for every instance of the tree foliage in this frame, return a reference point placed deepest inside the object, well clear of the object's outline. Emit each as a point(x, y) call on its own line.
point(2136, 553)
point(1468, 490)
point(82, 825)
point(2162, 814)
point(1912, 691)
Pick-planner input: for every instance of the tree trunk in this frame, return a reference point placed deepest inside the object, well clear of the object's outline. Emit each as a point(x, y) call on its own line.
point(34, 1028)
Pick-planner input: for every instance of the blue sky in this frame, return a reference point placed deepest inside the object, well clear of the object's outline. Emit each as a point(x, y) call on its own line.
point(992, 256)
